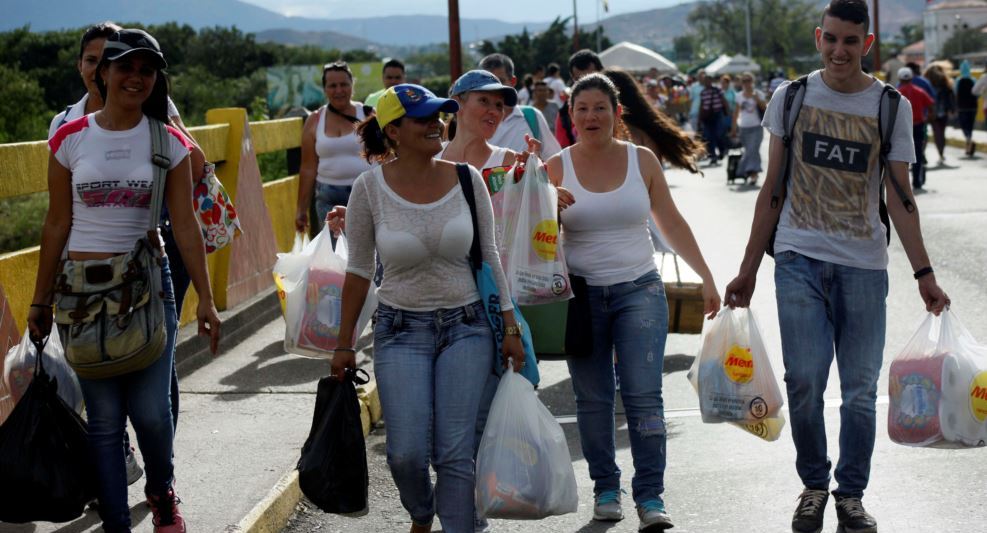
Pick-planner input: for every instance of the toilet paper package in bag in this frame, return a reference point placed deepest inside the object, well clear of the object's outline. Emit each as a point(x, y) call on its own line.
point(312, 282)
point(733, 375)
point(938, 387)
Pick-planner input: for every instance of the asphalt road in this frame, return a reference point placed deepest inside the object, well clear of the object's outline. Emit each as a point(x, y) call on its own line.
point(722, 480)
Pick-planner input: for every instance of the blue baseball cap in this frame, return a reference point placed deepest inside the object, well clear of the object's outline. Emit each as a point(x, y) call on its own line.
point(481, 80)
point(415, 101)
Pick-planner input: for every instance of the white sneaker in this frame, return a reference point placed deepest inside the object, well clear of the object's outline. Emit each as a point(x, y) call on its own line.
point(606, 506)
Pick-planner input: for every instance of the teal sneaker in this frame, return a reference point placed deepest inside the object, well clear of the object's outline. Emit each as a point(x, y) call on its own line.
point(606, 506)
point(653, 516)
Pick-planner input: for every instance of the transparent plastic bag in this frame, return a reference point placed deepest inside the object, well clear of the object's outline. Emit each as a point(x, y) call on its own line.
point(18, 370)
point(523, 467)
point(312, 281)
point(534, 262)
point(289, 259)
point(733, 375)
point(938, 387)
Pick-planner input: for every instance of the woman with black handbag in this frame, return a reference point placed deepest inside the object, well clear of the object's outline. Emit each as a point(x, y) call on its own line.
point(108, 174)
point(433, 344)
point(617, 187)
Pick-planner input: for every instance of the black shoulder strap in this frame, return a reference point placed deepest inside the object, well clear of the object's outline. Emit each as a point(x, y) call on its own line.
point(887, 115)
point(794, 95)
point(347, 116)
point(466, 182)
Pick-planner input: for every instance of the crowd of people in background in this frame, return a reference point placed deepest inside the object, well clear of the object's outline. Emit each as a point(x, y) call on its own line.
point(386, 169)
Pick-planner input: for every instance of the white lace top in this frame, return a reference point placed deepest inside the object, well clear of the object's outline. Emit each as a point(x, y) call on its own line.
point(424, 247)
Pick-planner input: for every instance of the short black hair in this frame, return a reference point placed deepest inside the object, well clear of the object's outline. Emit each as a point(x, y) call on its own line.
point(913, 66)
point(393, 63)
point(552, 69)
point(583, 59)
point(97, 31)
point(493, 61)
point(854, 11)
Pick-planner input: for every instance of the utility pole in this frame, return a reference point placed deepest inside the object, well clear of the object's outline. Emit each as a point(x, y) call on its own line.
point(877, 36)
point(575, 28)
point(455, 42)
point(749, 54)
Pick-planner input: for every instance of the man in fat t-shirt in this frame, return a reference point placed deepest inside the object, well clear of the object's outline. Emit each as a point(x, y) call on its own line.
point(831, 260)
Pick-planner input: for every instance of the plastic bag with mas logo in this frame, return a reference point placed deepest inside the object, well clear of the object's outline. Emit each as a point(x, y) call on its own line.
point(733, 375)
point(938, 387)
point(523, 467)
point(534, 262)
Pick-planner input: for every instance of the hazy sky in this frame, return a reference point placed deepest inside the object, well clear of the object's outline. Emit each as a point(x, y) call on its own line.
point(509, 10)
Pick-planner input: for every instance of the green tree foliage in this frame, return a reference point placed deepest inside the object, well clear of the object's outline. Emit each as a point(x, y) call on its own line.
point(22, 106)
point(212, 67)
point(963, 42)
point(781, 29)
point(554, 45)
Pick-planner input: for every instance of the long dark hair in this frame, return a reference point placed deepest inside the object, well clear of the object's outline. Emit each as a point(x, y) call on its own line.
point(674, 145)
point(156, 105)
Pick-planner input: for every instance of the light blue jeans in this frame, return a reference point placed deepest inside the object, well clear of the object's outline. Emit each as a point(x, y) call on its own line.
point(431, 368)
point(822, 306)
point(144, 396)
point(630, 319)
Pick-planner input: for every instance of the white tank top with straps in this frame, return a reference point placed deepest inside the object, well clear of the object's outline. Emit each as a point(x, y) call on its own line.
point(340, 158)
point(605, 235)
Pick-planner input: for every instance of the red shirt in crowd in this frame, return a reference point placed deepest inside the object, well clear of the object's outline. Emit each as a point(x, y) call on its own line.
point(919, 99)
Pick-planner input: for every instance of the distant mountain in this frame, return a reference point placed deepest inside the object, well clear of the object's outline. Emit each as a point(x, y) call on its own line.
point(657, 28)
point(654, 28)
point(415, 30)
point(322, 39)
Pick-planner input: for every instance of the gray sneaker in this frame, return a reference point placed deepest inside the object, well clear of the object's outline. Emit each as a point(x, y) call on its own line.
point(653, 516)
point(606, 506)
point(134, 470)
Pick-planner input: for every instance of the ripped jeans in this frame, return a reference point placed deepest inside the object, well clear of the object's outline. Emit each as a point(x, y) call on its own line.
point(630, 319)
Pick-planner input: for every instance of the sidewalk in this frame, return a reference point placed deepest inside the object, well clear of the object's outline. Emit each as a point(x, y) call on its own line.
point(954, 137)
point(244, 416)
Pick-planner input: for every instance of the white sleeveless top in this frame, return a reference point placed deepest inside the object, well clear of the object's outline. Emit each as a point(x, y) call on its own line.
point(340, 159)
point(496, 158)
point(605, 235)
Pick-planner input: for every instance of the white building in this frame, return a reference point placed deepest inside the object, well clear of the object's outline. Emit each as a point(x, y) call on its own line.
point(943, 19)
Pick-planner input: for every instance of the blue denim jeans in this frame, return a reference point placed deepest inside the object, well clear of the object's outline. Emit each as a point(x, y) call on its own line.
point(431, 368)
point(631, 320)
point(144, 396)
point(329, 196)
point(822, 306)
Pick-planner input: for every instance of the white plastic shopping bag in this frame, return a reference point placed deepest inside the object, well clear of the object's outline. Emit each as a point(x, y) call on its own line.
point(312, 281)
point(733, 375)
point(288, 262)
point(534, 263)
point(523, 467)
point(18, 370)
point(938, 387)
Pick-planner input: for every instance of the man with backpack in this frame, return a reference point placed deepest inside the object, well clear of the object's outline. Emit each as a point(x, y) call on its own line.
point(581, 63)
point(828, 228)
point(518, 120)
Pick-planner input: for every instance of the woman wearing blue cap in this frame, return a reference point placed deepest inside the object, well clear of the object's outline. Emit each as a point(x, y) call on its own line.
point(432, 342)
point(100, 183)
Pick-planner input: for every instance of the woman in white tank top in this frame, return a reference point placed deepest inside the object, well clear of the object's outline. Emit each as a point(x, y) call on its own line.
point(616, 187)
point(332, 154)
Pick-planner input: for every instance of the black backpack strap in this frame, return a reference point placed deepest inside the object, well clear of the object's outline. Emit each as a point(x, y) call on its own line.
point(794, 95)
point(887, 115)
point(466, 182)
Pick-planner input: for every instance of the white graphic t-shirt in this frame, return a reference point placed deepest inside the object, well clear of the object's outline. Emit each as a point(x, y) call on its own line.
point(112, 176)
point(831, 206)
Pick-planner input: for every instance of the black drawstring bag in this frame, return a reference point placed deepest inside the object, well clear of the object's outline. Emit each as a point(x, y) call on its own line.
point(45, 466)
point(332, 471)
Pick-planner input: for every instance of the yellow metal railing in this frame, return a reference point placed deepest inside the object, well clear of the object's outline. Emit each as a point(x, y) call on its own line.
point(24, 170)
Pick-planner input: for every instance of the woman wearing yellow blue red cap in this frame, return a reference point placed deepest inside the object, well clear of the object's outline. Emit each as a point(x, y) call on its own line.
point(432, 341)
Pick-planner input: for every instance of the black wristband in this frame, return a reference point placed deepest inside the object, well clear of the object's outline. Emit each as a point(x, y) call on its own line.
point(923, 271)
point(42, 306)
